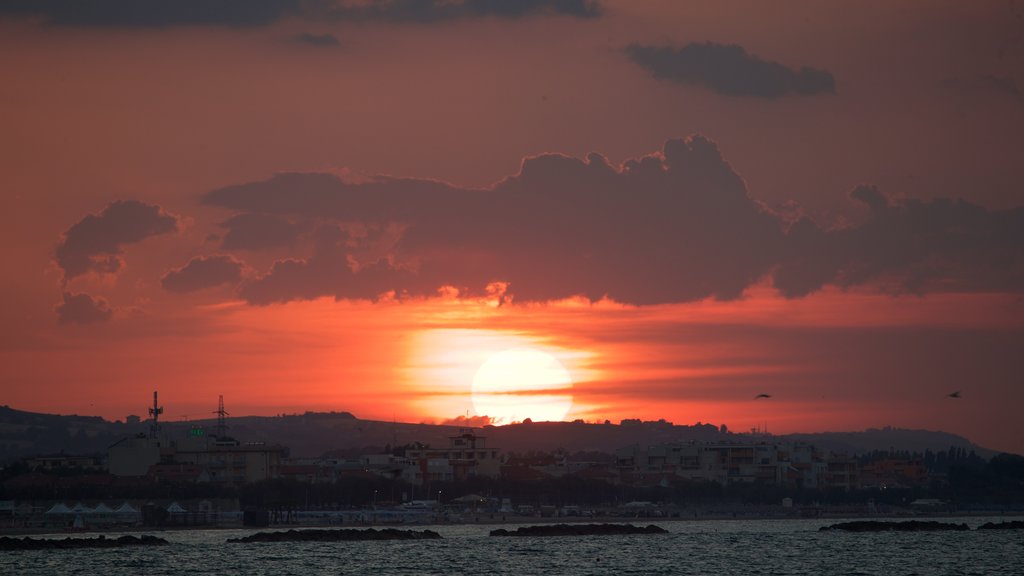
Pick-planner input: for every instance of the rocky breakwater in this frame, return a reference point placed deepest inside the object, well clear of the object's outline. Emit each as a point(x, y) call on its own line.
point(908, 526)
point(337, 535)
point(580, 530)
point(27, 543)
point(1012, 525)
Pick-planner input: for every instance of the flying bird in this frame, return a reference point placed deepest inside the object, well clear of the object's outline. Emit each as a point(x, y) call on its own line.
point(762, 396)
point(953, 394)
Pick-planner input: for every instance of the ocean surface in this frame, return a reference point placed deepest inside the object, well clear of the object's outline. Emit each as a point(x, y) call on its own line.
point(699, 547)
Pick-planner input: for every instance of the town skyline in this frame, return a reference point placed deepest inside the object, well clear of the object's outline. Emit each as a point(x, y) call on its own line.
point(807, 215)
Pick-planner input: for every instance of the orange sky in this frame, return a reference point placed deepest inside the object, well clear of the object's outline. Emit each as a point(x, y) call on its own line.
point(415, 360)
point(197, 207)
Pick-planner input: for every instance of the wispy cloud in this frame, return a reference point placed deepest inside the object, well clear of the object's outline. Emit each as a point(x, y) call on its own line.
point(729, 70)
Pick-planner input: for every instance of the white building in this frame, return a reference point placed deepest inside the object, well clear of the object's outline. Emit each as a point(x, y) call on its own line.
point(729, 462)
point(466, 455)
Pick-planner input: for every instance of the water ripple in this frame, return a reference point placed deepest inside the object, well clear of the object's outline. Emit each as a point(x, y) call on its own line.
point(747, 547)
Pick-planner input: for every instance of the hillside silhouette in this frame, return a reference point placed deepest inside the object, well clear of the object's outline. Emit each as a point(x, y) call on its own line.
point(314, 434)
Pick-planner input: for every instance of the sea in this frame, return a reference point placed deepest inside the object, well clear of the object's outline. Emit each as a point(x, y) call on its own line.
point(716, 547)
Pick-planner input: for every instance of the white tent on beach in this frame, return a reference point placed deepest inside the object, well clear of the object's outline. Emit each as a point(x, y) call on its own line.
point(81, 509)
point(58, 508)
point(176, 508)
point(102, 508)
point(126, 509)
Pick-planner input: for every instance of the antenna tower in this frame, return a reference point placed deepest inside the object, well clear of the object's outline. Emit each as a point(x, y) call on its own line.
point(222, 418)
point(155, 412)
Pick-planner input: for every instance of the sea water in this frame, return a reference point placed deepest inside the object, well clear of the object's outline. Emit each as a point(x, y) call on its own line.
point(697, 547)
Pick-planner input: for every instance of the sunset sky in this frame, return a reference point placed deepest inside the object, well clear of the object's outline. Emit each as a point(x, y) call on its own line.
point(354, 205)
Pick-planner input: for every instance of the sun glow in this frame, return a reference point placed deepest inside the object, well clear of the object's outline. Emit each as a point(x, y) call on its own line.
point(507, 376)
point(522, 383)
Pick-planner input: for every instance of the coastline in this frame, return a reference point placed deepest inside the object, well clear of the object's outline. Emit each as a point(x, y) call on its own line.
point(498, 520)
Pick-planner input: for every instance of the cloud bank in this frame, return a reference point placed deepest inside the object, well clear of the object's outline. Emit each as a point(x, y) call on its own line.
point(251, 231)
point(203, 272)
point(437, 10)
point(94, 243)
point(911, 246)
point(154, 13)
point(247, 13)
point(676, 225)
point(318, 40)
point(82, 309)
point(729, 70)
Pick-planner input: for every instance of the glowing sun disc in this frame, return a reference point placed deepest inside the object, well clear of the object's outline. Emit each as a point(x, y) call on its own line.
point(522, 383)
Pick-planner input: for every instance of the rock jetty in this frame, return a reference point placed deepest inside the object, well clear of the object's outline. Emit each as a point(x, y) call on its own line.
point(337, 535)
point(908, 526)
point(1012, 525)
point(579, 530)
point(26, 543)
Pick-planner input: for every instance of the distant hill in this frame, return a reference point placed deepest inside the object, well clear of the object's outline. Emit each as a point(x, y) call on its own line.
point(30, 433)
point(890, 438)
point(316, 433)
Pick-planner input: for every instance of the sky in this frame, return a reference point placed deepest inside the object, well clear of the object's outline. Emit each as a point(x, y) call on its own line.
point(665, 208)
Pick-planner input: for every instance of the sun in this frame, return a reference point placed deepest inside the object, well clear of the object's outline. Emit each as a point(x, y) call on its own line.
point(521, 383)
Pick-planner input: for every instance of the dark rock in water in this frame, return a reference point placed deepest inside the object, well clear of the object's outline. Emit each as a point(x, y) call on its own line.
point(27, 543)
point(579, 530)
point(337, 535)
point(1013, 525)
point(908, 526)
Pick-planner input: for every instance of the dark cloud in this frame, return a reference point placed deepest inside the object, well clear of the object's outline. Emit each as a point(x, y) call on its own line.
point(318, 40)
point(154, 13)
point(259, 232)
point(94, 244)
point(203, 272)
point(82, 309)
point(469, 421)
point(437, 10)
point(982, 89)
point(910, 246)
point(331, 271)
point(1003, 85)
point(677, 225)
point(729, 70)
point(673, 226)
point(241, 13)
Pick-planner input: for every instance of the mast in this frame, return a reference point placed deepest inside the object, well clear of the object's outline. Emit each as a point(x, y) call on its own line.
point(155, 412)
point(222, 420)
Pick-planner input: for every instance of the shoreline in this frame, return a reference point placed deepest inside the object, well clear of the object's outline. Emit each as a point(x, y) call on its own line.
point(481, 521)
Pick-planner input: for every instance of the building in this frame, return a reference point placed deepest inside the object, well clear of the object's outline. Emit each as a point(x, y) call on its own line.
point(467, 455)
point(133, 456)
point(197, 456)
point(64, 462)
point(789, 463)
point(893, 472)
point(227, 460)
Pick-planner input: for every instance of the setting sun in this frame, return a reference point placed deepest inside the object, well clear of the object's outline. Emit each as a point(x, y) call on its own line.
point(522, 383)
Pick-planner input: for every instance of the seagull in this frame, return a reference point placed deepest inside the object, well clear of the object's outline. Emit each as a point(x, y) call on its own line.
point(762, 396)
point(953, 394)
